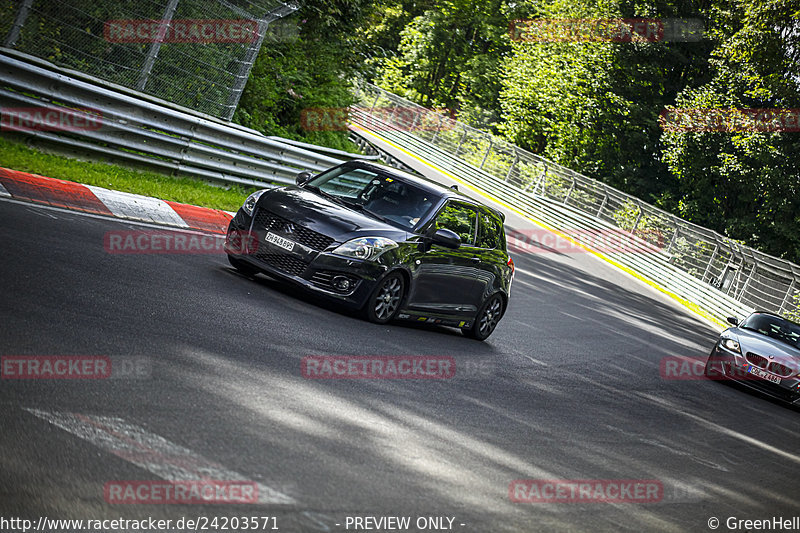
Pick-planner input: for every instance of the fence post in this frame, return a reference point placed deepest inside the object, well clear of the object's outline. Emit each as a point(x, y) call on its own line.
point(489, 149)
point(747, 281)
point(511, 167)
point(19, 22)
point(252, 52)
point(461, 141)
point(438, 128)
point(155, 46)
point(540, 181)
point(710, 261)
point(638, 218)
point(604, 202)
point(372, 107)
point(789, 294)
point(569, 192)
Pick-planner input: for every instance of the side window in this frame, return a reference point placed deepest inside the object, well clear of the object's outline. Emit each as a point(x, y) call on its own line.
point(460, 218)
point(491, 232)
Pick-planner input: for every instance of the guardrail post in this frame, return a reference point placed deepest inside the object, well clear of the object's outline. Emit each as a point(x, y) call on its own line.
point(155, 46)
point(19, 22)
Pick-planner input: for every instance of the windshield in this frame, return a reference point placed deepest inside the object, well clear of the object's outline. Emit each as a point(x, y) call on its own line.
point(775, 327)
point(382, 196)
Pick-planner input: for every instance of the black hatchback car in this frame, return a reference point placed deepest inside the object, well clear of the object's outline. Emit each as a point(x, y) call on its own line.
point(388, 243)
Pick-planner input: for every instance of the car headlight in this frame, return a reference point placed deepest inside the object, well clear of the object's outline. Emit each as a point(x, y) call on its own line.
point(366, 248)
point(250, 203)
point(732, 345)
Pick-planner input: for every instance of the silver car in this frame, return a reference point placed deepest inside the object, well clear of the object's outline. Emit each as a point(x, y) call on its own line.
point(761, 352)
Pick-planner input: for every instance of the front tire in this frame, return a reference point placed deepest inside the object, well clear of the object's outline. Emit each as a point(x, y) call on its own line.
point(486, 319)
point(384, 301)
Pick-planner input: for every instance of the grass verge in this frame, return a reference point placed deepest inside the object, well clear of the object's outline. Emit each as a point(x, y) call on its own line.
point(17, 156)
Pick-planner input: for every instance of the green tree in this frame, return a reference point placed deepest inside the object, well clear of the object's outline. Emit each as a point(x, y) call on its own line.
point(308, 66)
point(449, 56)
point(594, 106)
point(745, 183)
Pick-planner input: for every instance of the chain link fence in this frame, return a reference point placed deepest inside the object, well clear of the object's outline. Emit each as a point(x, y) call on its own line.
point(194, 53)
point(757, 280)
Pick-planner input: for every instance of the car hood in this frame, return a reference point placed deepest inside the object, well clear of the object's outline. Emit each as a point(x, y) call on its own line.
point(325, 216)
point(751, 341)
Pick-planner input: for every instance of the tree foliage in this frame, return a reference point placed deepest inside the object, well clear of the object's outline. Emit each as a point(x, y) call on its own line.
point(744, 183)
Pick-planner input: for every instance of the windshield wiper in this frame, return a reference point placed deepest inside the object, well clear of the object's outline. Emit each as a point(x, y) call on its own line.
point(360, 207)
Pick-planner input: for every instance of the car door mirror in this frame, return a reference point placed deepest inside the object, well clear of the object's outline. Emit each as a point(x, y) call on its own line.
point(303, 178)
point(733, 321)
point(447, 238)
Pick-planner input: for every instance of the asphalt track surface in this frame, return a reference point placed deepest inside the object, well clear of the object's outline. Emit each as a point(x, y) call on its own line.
point(569, 388)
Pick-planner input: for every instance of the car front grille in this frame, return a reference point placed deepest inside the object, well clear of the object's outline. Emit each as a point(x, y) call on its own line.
point(757, 360)
point(762, 362)
point(264, 220)
point(283, 262)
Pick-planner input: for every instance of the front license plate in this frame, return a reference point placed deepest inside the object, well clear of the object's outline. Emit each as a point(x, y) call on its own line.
point(764, 374)
point(277, 240)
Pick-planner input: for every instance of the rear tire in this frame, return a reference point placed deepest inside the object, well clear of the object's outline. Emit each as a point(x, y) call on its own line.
point(486, 320)
point(243, 268)
point(384, 302)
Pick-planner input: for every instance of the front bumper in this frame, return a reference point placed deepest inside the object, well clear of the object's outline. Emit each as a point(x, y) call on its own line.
point(318, 271)
point(724, 364)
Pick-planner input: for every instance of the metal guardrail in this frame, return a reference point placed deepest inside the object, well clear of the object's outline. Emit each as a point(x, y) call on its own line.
point(137, 130)
point(721, 276)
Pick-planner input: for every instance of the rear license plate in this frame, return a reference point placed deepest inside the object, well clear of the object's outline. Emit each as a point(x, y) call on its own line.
point(279, 241)
point(763, 374)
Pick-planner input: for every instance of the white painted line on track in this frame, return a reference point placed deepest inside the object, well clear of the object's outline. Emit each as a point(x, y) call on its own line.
point(128, 205)
point(4, 191)
point(151, 452)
